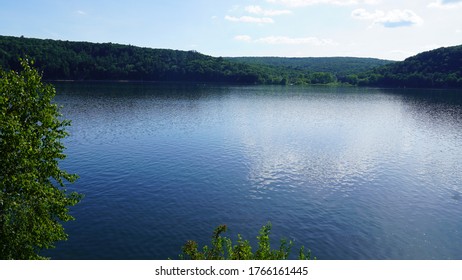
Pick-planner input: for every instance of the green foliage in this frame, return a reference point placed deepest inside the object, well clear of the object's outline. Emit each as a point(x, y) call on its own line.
point(64, 60)
point(222, 248)
point(440, 68)
point(337, 66)
point(33, 198)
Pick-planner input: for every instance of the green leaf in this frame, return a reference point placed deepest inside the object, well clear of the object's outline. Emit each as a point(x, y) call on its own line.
point(33, 199)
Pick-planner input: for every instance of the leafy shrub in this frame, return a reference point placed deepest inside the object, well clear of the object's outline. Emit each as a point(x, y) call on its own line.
point(33, 199)
point(222, 248)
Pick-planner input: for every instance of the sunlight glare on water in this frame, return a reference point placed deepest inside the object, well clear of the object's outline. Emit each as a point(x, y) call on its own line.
point(351, 173)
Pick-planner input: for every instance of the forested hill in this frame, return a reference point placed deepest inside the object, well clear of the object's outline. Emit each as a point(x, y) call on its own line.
point(339, 66)
point(439, 68)
point(64, 60)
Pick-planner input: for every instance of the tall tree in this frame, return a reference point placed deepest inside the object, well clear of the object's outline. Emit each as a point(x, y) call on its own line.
point(33, 199)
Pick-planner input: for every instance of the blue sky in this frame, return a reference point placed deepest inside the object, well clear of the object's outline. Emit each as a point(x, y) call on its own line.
point(389, 29)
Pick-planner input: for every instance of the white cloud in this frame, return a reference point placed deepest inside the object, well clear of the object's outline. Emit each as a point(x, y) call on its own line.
point(248, 19)
point(260, 11)
point(257, 10)
point(283, 40)
point(391, 19)
point(80, 12)
point(244, 38)
point(301, 3)
point(399, 18)
point(446, 4)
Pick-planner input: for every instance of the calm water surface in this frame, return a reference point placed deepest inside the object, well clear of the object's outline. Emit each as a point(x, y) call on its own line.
point(351, 173)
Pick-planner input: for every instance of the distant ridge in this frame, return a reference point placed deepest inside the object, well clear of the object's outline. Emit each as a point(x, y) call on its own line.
point(339, 66)
point(439, 68)
point(65, 60)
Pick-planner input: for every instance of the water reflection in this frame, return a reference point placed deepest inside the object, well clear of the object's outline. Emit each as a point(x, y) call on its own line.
point(353, 173)
point(314, 143)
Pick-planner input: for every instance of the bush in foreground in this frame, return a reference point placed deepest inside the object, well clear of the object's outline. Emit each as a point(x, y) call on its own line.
point(33, 198)
point(222, 248)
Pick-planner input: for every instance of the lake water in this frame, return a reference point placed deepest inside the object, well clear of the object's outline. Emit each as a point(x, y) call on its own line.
point(351, 173)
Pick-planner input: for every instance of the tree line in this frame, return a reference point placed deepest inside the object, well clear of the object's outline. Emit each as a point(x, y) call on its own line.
point(338, 66)
point(65, 60)
point(440, 68)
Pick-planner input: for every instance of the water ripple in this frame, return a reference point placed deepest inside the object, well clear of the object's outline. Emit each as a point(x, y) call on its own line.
point(351, 173)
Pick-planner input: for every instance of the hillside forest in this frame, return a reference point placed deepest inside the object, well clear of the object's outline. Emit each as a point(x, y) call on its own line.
point(65, 60)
